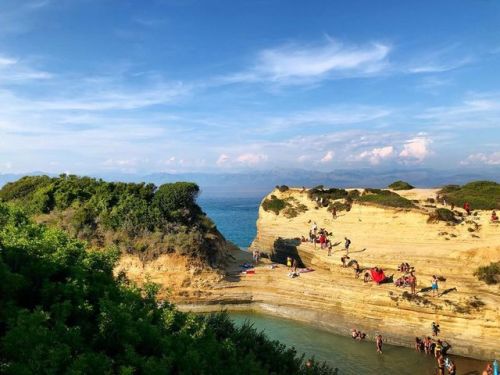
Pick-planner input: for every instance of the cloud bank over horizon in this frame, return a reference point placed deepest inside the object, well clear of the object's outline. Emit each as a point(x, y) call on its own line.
point(89, 86)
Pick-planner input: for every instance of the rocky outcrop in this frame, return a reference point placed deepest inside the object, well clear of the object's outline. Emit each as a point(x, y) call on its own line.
point(331, 297)
point(468, 311)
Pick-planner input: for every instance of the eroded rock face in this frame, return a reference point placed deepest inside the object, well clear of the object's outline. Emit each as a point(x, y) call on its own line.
point(331, 297)
point(468, 311)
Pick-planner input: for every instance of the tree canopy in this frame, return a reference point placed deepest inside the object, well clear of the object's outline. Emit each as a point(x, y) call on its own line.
point(136, 217)
point(63, 312)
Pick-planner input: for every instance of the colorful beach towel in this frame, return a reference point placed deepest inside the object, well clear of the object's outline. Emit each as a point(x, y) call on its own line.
point(377, 276)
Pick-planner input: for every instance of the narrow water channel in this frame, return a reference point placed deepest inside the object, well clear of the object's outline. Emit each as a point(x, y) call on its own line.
point(348, 355)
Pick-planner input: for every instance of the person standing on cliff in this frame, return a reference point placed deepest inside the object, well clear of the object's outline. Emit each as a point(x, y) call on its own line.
point(435, 286)
point(378, 342)
point(347, 244)
point(413, 283)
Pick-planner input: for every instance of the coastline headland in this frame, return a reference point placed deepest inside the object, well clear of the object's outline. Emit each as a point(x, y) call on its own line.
point(467, 309)
point(161, 235)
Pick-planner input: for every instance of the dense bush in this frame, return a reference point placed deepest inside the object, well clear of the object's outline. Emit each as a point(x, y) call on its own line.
point(327, 195)
point(400, 185)
point(105, 213)
point(282, 188)
point(273, 204)
point(62, 312)
point(385, 198)
point(483, 195)
point(443, 214)
point(489, 274)
point(339, 206)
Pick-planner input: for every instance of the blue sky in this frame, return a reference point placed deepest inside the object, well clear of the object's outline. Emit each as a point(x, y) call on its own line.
point(91, 86)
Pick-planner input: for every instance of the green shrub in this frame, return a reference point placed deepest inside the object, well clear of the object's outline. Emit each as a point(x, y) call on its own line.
point(106, 213)
point(339, 206)
point(489, 274)
point(385, 198)
point(400, 185)
point(327, 195)
point(483, 195)
point(294, 209)
point(274, 204)
point(353, 194)
point(282, 188)
point(63, 312)
point(443, 214)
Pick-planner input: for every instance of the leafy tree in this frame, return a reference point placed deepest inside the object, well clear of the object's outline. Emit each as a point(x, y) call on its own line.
point(63, 312)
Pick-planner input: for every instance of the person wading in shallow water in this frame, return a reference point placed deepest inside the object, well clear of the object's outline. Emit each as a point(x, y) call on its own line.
point(440, 363)
point(378, 342)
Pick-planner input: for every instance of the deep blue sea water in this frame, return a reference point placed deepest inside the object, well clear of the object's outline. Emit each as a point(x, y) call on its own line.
point(235, 217)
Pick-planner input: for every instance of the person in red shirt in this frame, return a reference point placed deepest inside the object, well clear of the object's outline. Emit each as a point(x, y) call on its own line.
point(467, 207)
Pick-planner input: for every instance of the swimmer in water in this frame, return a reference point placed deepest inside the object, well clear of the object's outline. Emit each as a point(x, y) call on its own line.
point(379, 343)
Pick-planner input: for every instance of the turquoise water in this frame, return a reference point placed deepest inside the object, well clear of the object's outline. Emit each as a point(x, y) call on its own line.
point(348, 355)
point(235, 217)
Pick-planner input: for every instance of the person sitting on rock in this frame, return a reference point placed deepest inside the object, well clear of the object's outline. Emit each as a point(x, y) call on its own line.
point(494, 217)
point(367, 277)
point(344, 259)
point(354, 333)
point(357, 269)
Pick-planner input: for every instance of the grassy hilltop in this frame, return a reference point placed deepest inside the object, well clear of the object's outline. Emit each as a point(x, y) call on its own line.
point(137, 218)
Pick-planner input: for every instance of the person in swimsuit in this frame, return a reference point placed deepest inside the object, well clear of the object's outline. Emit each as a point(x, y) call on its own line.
point(451, 367)
point(438, 348)
point(344, 259)
point(347, 244)
point(435, 329)
point(413, 283)
point(354, 333)
point(379, 343)
point(357, 270)
point(417, 344)
point(440, 363)
point(488, 370)
point(435, 286)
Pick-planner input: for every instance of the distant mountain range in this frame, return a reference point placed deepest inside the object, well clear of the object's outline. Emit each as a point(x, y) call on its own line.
point(258, 183)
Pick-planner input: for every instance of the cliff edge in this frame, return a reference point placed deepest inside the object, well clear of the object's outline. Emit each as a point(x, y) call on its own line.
point(467, 310)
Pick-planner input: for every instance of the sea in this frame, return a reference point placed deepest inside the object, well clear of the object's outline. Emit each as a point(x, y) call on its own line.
point(235, 217)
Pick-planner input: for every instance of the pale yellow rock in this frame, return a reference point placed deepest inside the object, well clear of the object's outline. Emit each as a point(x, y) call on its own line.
point(332, 298)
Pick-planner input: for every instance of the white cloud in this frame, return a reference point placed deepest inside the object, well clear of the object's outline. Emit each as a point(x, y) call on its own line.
point(222, 160)
point(439, 67)
point(293, 63)
point(376, 155)
point(328, 157)
point(416, 149)
point(251, 159)
point(13, 70)
point(482, 158)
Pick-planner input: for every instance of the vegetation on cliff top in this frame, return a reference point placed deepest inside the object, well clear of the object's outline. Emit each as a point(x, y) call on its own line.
point(490, 274)
point(385, 198)
point(135, 217)
point(63, 312)
point(443, 214)
point(483, 195)
point(400, 185)
point(290, 207)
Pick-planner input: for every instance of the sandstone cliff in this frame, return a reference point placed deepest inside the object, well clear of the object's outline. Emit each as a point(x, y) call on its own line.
point(468, 312)
point(331, 297)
